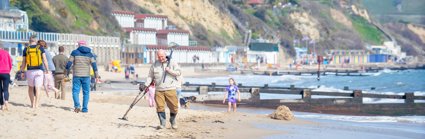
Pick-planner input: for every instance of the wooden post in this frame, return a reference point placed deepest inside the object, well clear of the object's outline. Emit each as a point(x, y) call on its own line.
point(306, 94)
point(358, 96)
point(255, 94)
point(203, 90)
point(292, 87)
point(409, 98)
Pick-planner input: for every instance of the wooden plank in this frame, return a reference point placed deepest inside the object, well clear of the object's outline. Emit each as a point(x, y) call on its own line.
point(321, 93)
point(288, 92)
point(383, 96)
point(419, 97)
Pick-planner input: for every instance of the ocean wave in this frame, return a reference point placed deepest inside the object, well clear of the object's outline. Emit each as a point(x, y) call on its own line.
point(324, 88)
point(370, 119)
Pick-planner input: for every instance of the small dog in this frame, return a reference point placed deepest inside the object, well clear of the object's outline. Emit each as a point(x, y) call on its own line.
point(185, 101)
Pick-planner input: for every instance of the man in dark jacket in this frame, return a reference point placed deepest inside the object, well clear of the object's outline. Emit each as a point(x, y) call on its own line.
point(82, 59)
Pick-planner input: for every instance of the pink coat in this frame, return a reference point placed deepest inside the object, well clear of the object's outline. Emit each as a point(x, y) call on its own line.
point(151, 93)
point(5, 62)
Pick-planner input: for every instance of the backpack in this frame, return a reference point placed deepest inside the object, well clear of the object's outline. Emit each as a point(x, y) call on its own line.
point(33, 56)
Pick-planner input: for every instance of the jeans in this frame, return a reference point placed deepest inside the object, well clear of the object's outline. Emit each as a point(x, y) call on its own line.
point(4, 88)
point(77, 83)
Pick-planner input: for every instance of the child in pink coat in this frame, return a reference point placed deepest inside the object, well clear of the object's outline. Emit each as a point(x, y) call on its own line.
point(151, 94)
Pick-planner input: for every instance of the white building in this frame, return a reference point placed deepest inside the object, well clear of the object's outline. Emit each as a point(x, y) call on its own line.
point(157, 22)
point(389, 48)
point(263, 52)
point(142, 36)
point(167, 37)
point(106, 48)
point(124, 18)
point(13, 20)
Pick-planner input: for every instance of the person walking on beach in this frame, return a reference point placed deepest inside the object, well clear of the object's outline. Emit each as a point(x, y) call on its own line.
point(82, 58)
point(59, 75)
point(33, 58)
point(151, 94)
point(179, 88)
point(5, 68)
point(133, 71)
point(165, 91)
point(48, 76)
point(232, 89)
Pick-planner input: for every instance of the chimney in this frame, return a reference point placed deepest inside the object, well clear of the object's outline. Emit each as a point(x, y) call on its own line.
point(4, 4)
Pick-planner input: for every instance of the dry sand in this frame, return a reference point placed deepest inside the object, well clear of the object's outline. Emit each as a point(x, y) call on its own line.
point(56, 119)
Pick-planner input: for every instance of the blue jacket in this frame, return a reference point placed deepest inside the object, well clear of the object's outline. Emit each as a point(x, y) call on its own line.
point(82, 58)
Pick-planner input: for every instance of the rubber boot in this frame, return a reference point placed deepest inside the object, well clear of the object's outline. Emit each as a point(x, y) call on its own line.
point(173, 120)
point(161, 116)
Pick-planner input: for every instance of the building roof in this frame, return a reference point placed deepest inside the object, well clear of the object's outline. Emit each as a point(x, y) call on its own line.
point(143, 16)
point(172, 31)
point(139, 29)
point(265, 47)
point(255, 2)
point(194, 48)
point(123, 12)
point(10, 14)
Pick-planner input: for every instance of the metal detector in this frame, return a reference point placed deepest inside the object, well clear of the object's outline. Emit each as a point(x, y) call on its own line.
point(174, 45)
point(139, 96)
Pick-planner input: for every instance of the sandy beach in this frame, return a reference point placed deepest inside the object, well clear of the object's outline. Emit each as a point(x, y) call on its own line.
point(55, 119)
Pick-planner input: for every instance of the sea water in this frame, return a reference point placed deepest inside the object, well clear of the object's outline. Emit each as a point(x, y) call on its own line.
point(383, 82)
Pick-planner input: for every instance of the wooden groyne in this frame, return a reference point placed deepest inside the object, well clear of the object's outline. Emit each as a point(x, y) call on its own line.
point(341, 72)
point(311, 72)
point(349, 102)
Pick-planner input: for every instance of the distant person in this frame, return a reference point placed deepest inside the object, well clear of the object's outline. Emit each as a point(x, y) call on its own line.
point(48, 80)
point(82, 58)
point(59, 75)
point(127, 72)
point(5, 68)
point(133, 71)
point(165, 92)
point(230, 94)
point(179, 88)
point(33, 57)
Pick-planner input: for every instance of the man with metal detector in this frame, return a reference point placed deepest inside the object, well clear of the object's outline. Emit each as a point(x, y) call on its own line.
point(164, 72)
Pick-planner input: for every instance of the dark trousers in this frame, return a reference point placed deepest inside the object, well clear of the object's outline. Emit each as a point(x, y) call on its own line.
point(4, 88)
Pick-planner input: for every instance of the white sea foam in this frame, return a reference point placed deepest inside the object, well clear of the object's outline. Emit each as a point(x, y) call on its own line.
point(371, 119)
point(324, 88)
